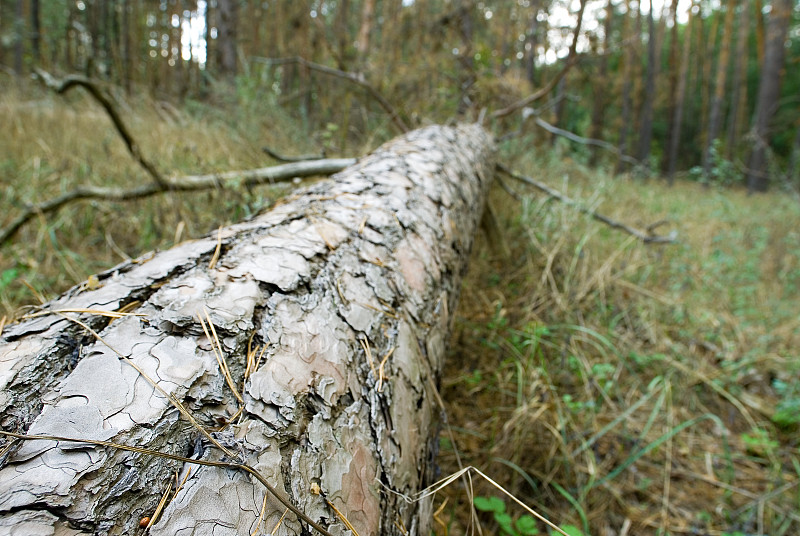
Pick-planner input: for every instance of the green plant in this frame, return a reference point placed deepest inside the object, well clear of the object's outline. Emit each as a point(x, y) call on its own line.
point(787, 412)
point(525, 525)
point(759, 442)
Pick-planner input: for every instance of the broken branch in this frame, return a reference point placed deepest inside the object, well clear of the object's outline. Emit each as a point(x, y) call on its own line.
point(69, 82)
point(645, 237)
point(250, 177)
point(356, 78)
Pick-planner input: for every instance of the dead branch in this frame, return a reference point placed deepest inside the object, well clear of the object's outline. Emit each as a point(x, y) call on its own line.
point(572, 59)
point(252, 177)
point(508, 110)
point(646, 237)
point(283, 158)
point(69, 82)
point(356, 78)
point(585, 141)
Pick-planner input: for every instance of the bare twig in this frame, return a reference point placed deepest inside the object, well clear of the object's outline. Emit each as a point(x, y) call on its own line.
point(283, 158)
point(508, 110)
point(585, 141)
point(356, 78)
point(69, 82)
point(251, 177)
point(641, 235)
point(225, 465)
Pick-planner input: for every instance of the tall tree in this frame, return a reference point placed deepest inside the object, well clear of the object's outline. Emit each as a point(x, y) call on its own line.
point(19, 30)
point(227, 24)
point(626, 105)
point(680, 96)
point(600, 93)
point(738, 101)
point(364, 31)
point(36, 32)
point(768, 93)
point(560, 108)
point(646, 121)
point(715, 117)
point(672, 69)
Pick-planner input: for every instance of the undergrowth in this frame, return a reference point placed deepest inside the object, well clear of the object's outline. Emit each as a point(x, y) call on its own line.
point(625, 388)
point(618, 387)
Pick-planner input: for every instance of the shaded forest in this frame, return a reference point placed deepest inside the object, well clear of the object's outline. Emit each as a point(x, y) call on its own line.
point(704, 87)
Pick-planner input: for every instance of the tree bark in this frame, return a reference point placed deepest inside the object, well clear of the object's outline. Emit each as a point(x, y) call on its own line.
point(769, 89)
point(227, 25)
point(715, 119)
point(680, 97)
point(646, 126)
point(349, 285)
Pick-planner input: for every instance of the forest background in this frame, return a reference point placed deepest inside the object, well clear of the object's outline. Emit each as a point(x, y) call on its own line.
point(619, 387)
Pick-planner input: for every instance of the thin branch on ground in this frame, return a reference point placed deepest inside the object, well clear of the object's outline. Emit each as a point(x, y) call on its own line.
point(69, 82)
point(252, 177)
point(641, 235)
point(283, 158)
point(355, 78)
point(586, 141)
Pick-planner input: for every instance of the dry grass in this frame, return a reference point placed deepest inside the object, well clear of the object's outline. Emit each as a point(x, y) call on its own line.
point(626, 388)
point(50, 145)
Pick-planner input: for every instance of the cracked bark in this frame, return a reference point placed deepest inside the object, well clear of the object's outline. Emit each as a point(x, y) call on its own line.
point(373, 256)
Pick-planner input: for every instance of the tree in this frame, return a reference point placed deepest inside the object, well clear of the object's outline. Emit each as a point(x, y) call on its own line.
point(646, 124)
point(715, 118)
point(680, 97)
point(331, 311)
point(227, 24)
point(601, 98)
point(768, 93)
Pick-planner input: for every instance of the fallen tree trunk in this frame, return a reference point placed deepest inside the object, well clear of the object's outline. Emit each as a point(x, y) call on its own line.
point(347, 287)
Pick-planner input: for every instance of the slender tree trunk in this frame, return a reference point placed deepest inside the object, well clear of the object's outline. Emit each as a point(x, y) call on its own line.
point(736, 117)
point(672, 69)
point(600, 93)
point(36, 33)
point(227, 24)
point(680, 98)
point(560, 109)
point(626, 104)
point(646, 124)
point(769, 89)
point(723, 59)
point(532, 44)
point(364, 31)
point(332, 313)
point(19, 30)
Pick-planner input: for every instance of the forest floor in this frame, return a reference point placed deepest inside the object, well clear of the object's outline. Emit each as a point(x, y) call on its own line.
point(616, 387)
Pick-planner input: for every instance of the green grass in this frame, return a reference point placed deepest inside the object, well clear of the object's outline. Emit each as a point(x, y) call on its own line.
point(606, 382)
point(636, 385)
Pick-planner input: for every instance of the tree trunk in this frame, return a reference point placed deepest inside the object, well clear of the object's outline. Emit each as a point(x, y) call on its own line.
point(680, 98)
point(769, 89)
point(227, 24)
point(349, 285)
point(736, 116)
point(601, 95)
point(646, 127)
point(715, 119)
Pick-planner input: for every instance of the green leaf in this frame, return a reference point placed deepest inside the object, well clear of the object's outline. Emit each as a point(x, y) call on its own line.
point(7, 276)
point(505, 522)
point(489, 504)
point(526, 526)
point(572, 530)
